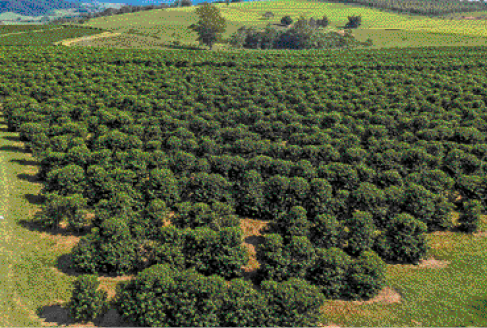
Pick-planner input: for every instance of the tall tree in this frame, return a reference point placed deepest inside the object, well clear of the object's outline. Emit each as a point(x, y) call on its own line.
point(210, 26)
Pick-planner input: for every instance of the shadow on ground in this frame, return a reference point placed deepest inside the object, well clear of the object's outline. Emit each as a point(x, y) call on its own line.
point(14, 149)
point(35, 224)
point(58, 315)
point(254, 240)
point(12, 138)
point(35, 199)
point(64, 265)
point(26, 162)
point(32, 178)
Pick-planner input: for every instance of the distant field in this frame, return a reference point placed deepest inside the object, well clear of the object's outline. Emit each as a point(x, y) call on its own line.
point(470, 14)
point(383, 38)
point(171, 24)
point(10, 18)
point(7, 29)
point(44, 37)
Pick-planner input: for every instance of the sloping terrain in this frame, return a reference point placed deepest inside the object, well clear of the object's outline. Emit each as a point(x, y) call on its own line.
point(170, 25)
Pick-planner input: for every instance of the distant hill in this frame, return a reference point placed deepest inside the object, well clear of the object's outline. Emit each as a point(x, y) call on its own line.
point(35, 7)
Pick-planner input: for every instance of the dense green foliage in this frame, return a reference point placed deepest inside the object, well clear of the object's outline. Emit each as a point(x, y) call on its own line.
point(7, 29)
point(87, 302)
point(469, 220)
point(47, 35)
point(350, 168)
point(354, 22)
point(404, 241)
point(286, 20)
point(366, 276)
point(163, 297)
point(304, 34)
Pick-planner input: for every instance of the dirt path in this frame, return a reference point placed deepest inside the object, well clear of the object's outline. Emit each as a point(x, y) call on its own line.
point(69, 42)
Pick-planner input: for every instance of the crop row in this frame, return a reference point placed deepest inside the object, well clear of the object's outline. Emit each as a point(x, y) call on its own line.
point(45, 37)
point(6, 29)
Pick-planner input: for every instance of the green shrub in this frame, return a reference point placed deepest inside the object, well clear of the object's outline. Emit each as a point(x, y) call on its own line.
point(85, 257)
point(275, 190)
point(419, 202)
point(170, 254)
point(273, 261)
point(87, 303)
point(294, 303)
point(329, 272)
point(243, 306)
point(162, 185)
point(141, 301)
point(251, 191)
point(367, 197)
point(353, 22)
point(301, 256)
point(470, 218)
point(294, 223)
point(442, 218)
point(361, 230)
point(215, 252)
point(209, 188)
point(404, 241)
point(366, 276)
point(286, 20)
point(198, 300)
point(322, 193)
point(109, 249)
point(223, 216)
point(217, 216)
point(163, 297)
point(326, 232)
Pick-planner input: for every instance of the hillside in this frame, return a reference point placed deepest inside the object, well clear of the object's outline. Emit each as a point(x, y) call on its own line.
point(258, 187)
point(163, 27)
point(35, 7)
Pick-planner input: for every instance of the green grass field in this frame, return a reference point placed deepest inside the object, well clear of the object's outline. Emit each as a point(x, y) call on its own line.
point(28, 279)
point(383, 38)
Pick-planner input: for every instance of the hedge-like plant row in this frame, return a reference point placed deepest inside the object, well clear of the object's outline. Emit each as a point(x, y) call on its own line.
point(352, 157)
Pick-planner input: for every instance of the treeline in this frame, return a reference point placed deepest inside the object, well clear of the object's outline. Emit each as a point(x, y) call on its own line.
point(35, 7)
point(84, 17)
point(422, 7)
point(352, 163)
